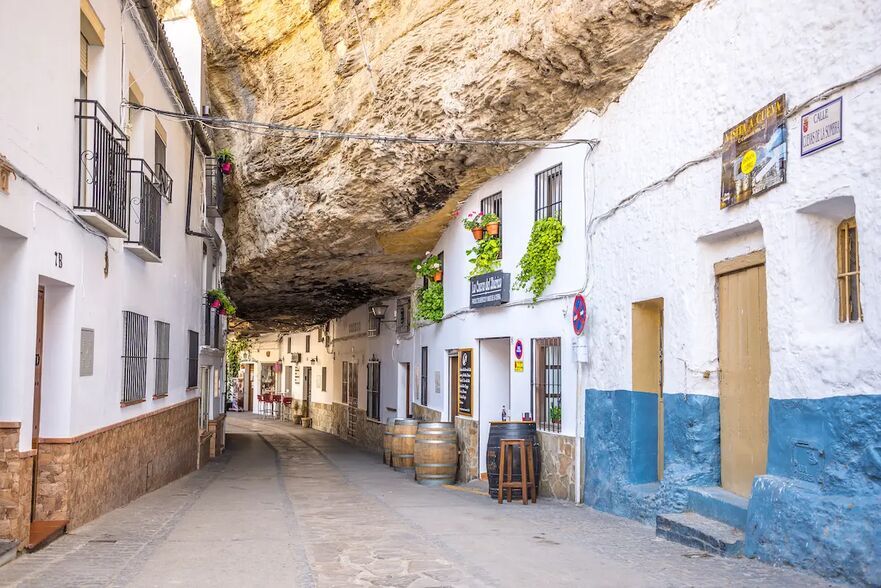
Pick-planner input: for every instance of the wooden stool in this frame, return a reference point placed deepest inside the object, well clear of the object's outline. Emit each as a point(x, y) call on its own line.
point(506, 466)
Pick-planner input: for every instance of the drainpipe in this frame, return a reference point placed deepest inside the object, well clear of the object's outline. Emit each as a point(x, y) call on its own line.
point(190, 185)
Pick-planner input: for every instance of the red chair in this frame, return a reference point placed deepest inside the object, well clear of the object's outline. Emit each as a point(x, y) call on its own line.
point(276, 406)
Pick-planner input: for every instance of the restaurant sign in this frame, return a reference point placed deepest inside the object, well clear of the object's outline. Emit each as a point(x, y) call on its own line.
point(466, 357)
point(821, 127)
point(490, 289)
point(754, 154)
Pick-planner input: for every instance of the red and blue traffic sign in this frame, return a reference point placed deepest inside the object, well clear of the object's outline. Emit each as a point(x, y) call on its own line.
point(518, 349)
point(579, 314)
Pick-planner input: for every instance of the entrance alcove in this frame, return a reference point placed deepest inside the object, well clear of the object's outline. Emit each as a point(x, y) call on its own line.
point(494, 373)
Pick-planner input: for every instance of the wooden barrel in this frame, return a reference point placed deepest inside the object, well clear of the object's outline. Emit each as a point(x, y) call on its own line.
point(403, 443)
point(436, 454)
point(499, 430)
point(387, 441)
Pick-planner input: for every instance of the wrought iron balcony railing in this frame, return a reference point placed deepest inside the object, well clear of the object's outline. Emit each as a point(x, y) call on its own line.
point(213, 187)
point(165, 181)
point(145, 212)
point(102, 198)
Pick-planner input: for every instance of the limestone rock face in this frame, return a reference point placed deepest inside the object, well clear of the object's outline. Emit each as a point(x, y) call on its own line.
point(317, 227)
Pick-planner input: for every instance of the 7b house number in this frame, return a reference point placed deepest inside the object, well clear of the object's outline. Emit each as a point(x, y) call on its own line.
point(59, 259)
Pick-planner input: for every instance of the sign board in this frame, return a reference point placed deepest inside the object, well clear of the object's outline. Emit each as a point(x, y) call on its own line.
point(518, 349)
point(490, 289)
point(465, 369)
point(579, 314)
point(821, 127)
point(518, 365)
point(296, 374)
point(754, 154)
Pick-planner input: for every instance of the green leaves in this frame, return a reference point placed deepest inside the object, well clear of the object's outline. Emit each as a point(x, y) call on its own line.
point(430, 302)
point(484, 256)
point(539, 264)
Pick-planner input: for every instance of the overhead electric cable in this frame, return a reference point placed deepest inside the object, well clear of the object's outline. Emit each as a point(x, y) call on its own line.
point(257, 127)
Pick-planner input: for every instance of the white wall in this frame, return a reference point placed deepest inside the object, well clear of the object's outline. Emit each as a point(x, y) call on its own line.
point(39, 137)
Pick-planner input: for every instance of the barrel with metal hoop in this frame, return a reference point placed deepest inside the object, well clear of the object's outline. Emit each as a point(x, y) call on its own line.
point(387, 441)
point(499, 430)
point(403, 443)
point(436, 454)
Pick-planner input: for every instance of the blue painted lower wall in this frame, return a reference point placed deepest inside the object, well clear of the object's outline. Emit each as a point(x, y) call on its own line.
point(819, 506)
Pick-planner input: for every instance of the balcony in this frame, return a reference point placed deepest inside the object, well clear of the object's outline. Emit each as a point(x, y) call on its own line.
point(213, 187)
point(213, 331)
point(145, 211)
point(102, 178)
point(165, 181)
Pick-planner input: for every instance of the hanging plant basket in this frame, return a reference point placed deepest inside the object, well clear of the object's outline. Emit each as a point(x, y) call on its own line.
point(224, 159)
point(438, 276)
point(492, 228)
point(226, 168)
point(215, 303)
point(478, 233)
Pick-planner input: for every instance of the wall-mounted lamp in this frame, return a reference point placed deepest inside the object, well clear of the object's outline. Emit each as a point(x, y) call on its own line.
point(378, 310)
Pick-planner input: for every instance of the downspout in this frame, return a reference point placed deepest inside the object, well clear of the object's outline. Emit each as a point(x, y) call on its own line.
point(190, 185)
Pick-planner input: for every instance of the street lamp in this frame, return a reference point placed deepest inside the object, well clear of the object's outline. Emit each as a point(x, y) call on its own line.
point(378, 310)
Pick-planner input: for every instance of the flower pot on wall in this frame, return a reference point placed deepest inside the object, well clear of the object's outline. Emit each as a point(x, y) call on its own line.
point(477, 232)
point(438, 276)
point(226, 168)
point(492, 228)
point(215, 303)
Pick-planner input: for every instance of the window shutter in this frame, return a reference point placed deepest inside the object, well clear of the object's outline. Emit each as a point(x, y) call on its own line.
point(84, 55)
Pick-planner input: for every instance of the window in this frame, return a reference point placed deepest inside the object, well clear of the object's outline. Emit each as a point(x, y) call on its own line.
point(159, 148)
point(324, 378)
point(288, 378)
point(84, 67)
point(373, 324)
point(345, 382)
point(308, 337)
point(423, 378)
point(87, 352)
point(402, 315)
point(160, 140)
point(546, 383)
point(493, 204)
point(134, 357)
point(205, 376)
point(850, 309)
point(163, 332)
point(192, 359)
point(373, 390)
point(289, 344)
point(549, 193)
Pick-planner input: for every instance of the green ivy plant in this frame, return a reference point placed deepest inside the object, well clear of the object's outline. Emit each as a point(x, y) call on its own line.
point(234, 350)
point(430, 302)
point(484, 256)
point(427, 266)
point(538, 266)
point(555, 413)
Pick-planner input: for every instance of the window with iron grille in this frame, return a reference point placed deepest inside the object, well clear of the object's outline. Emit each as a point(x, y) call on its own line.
point(549, 193)
point(192, 359)
point(134, 357)
point(547, 383)
point(402, 315)
point(324, 378)
point(373, 324)
point(345, 382)
point(373, 390)
point(423, 378)
point(850, 309)
point(163, 334)
point(493, 204)
point(288, 378)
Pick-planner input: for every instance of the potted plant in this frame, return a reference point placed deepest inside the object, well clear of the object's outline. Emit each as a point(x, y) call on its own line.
point(491, 223)
point(484, 256)
point(429, 267)
point(215, 296)
point(555, 413)
point(474, 223)
point(224, 159)
point(220, 300)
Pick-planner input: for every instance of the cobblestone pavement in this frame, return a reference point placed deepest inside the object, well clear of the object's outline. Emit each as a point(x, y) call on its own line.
point(288, 506)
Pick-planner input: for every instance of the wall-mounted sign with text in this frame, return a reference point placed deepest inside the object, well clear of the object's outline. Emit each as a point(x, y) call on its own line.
point(490, 289)
point(466, 357)
point(821, 127)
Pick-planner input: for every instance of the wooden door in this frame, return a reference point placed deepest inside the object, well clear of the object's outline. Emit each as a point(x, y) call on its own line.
point(647, 351)
point(744, 370)
point(307, 390)
point(249, 386)
point(408, 410)
point(38, 367)
point(454, 385)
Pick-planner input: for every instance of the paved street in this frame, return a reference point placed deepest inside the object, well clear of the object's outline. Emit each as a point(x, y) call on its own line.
point(292, 507)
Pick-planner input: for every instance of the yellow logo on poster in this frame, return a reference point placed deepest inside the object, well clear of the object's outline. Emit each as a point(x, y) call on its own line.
point(748, 163)
point(518, 365)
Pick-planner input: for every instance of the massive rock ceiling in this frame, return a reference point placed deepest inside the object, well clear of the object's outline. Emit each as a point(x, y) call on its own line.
point(317, 227)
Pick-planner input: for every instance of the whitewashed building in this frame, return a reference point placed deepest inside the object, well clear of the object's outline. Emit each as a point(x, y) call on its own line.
point(729, 366)
point(109, 239)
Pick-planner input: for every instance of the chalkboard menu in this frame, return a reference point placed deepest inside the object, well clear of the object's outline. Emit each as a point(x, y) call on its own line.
point(465, 364)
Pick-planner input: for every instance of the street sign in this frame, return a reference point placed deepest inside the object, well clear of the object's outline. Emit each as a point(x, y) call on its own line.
point(518, 349)
point(821, 127)
point(579, 314)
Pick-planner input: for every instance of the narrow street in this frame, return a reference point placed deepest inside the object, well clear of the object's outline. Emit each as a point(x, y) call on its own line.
point(288, 506)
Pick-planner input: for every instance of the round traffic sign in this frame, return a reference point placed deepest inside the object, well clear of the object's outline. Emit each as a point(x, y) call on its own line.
point(518, 349)
point(579, 314)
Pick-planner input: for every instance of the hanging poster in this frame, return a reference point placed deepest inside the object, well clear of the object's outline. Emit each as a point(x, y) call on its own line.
point(465, 360)
point(754, 154)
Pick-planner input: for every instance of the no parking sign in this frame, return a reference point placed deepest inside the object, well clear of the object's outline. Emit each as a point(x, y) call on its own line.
point(579, 314)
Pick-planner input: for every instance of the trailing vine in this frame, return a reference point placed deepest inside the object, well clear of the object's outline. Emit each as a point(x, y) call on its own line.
point(484, 256)
point(430, 302)
point(234, 350)
point(538, 266)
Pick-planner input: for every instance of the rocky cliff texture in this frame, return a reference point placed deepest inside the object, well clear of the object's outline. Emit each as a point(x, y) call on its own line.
point(316, 227)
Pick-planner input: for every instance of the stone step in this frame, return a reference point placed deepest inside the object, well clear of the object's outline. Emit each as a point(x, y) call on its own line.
point(715, 503)
point(8, 551)
point(706, 534)
point(43, 533)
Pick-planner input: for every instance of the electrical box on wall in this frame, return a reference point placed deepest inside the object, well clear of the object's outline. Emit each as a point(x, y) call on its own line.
point(579, 349)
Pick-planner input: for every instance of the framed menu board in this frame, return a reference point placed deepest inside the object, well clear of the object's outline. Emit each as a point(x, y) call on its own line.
point(466, 357)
